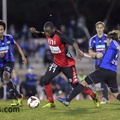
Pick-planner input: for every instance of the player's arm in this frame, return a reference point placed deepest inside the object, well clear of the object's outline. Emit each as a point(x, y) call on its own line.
point(79, 53)
point(92, 53)
point(37, 33)
point(87, 55)
point(95, 55)
point(72, 42)
point(21, 53)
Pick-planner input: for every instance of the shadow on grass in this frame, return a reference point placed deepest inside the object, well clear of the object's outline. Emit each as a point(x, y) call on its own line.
point(72, 111)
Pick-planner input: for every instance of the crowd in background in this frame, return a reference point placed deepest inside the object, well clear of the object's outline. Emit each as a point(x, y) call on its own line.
point(74, 28)
point(31, 84)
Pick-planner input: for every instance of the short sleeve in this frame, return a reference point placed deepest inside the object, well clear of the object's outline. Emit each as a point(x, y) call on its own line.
point(12, 41)
point(91, 43)
point(65, 39)
point(114, 44)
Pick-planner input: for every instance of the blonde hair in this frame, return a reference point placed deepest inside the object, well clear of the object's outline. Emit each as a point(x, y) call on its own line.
point(100, 22)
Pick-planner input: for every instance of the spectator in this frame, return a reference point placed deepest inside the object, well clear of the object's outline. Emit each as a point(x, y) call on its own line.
point(30, 82)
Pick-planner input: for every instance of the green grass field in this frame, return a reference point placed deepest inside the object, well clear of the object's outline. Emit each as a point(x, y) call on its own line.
point(77, 110)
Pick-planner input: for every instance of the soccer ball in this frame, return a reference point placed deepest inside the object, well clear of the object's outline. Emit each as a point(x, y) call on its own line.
point(33, 102)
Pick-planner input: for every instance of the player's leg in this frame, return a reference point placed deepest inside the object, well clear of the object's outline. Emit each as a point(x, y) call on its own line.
point(95, 77)
point(104, 89)
point(72, 77)
point(112, 84)
point(52, 71)
point(8, 67)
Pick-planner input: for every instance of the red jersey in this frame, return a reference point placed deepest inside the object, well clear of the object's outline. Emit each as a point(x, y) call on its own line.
point(59, 47)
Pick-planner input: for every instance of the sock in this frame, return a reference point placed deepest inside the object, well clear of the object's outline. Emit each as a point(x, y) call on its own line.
point(17, 93)
point(10, 86)
point(89, 92)
point(75, 92)
point(48, 90)
point(118, 97)
point(13, 90)
point(104, 90)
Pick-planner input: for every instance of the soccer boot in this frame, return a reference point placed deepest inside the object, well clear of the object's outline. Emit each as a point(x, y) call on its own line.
point(63, 101)
point(20, 101)
point(104, 101)
point(14, 103)
point(49, 105)
point(96, 100)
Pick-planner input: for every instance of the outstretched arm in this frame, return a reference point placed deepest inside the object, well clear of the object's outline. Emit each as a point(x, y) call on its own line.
point(87, 55)
point(21, 53)
point(37, 33)
point(79, 53)
point(95, 55)
point(66, 40)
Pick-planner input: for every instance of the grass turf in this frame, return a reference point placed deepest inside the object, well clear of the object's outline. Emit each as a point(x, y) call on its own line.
point(77, 110)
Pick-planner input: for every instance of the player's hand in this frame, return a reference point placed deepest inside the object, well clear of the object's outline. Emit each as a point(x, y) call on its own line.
point(99, 55)
point(2, 55)
point(32, 30)
point(118, 47)
point(79, 54)
point(24, 60)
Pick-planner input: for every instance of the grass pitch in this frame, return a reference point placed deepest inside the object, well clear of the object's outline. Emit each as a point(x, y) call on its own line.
point(77, 110)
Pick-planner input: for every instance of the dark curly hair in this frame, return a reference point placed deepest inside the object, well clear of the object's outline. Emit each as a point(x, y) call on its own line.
point(113, 35)
point(3, 24)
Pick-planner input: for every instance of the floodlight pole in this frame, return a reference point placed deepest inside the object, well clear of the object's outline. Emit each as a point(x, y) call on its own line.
point(4, 12)
point(4, 18)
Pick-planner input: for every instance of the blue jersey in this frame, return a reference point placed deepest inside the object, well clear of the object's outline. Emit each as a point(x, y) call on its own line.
point(30, 79)
point(110, 58)
point(5, 49)
point(98, 45)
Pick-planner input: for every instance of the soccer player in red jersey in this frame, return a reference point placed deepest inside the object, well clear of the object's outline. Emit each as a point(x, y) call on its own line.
point(62, 62)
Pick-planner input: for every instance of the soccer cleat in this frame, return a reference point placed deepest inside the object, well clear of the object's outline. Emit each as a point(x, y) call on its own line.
point(96, 101)
point(49, 105)
point(104, 101)
point(20, 101)
point(63, 101)
point(14, 103)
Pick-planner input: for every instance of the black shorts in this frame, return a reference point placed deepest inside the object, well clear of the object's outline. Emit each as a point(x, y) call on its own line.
point(8, 66)
point(53, 70)
point(104, 75)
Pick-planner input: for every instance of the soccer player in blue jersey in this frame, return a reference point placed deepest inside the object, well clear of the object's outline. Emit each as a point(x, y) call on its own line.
point(7, 62)
point(98, 44)
point(107, 71)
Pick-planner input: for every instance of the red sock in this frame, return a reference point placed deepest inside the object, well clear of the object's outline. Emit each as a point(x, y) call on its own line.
point(48, 90)
point(88, 92)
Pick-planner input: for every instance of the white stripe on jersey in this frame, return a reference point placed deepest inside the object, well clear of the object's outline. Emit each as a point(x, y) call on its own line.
point(115, 43)
point(91, 39)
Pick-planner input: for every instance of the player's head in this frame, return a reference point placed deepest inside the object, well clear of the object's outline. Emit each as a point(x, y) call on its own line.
point(49, 29)
point(30, 69)
point(113, 35)
point(100, 26)
point(2, 27)
point(118, 34)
